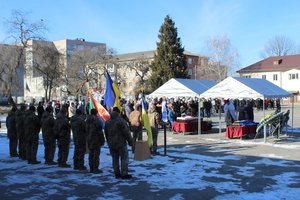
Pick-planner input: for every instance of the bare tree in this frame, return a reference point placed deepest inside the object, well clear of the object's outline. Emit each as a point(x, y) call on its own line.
point(141, 68)
point(224, 57)
point(9, 75)
point(20, 32)
point(279, 46)
point(47, 63)
point(86, 67)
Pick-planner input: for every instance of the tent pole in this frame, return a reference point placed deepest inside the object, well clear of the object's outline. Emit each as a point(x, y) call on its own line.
point(293, 98)
point(265, 127)
point(199, 117)
point(220, 123)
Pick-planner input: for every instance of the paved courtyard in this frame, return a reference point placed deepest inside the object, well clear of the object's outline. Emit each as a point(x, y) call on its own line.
point(206, 166)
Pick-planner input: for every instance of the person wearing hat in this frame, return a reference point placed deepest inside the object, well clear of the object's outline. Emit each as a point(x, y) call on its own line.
point(48, 133)
point(32, 130)
point(118, 135)
point(20, 127)
point(63, 133)
point(12, 132)
point(95, 139)
point(79, 138)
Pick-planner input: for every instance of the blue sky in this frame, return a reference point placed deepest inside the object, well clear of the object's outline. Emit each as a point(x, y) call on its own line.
point(133, 25)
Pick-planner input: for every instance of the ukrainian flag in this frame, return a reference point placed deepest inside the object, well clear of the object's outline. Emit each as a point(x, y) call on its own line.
point(146, 121)
point(112, 93)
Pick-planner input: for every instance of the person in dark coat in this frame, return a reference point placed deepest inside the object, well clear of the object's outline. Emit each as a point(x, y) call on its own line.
point(242, 113)
point(63, 133)
point(95, 139)
point(20, 118)
point(12, 132)
point(48, 123)
point(32, 129)
point(117, 134)
point(79, 138)
point(249, 111)
point(40, 110)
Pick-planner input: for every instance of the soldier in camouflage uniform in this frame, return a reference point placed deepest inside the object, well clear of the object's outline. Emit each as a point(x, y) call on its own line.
point(20, 118)
point(32, 130)
point(154, 119)
point(12, 132)
point(117, 134)
point(95, 139)
point(49, 137)
point(79, 138)
point(63, 132)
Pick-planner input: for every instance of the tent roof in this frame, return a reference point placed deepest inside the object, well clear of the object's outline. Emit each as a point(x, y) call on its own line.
point(238, 88)
point(177, 87)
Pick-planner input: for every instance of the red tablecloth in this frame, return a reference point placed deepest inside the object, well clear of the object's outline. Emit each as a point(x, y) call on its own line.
point(240, 131)
point(189, 126)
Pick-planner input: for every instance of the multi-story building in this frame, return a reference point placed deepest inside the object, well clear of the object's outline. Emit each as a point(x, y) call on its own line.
point(32, 81)
point(131, 66)
point(283, 71)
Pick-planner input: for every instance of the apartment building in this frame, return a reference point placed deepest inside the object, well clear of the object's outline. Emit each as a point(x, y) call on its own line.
point(32, 80)
point(129, 76)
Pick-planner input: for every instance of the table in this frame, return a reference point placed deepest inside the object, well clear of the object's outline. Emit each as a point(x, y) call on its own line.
point(190, 126)
point(240, 131)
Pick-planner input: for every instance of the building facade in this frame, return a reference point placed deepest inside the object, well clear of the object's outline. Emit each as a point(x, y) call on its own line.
point(283, 71)
point(33, 82)
point(132, 70)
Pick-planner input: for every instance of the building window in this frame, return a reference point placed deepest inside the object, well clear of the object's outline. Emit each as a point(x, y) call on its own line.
point(293, 76)
point(247, 76)
point(190, 61)
point(264, 76)
point(275, 78)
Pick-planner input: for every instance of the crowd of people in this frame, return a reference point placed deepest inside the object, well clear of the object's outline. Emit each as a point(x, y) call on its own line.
point(24, 125)
point(58, 121)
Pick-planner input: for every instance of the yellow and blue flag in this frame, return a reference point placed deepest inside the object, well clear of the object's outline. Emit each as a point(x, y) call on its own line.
point(146, 121)
point(112, 93)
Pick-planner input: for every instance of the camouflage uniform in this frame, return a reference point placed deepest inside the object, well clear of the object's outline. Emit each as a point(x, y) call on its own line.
point(95, 139)
point(62, 128)
point(49, 139)
point(20, 118)
point(117, 134)
point(12, 132)
point(154, 119)
point(32, 129)
point(79, 138)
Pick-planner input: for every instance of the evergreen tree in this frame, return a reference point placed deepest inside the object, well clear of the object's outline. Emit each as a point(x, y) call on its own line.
point(169, 60)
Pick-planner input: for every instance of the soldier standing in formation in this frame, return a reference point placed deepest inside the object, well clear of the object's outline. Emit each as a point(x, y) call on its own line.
point(95, 139)
point(117, 134)
point(20, 118)
point(48, 123)
point(79, 138)
point(12, 132)
point(62, 128)
point(32, 129)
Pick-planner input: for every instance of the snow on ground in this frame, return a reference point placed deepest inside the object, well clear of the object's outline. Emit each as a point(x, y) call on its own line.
point(227, 176)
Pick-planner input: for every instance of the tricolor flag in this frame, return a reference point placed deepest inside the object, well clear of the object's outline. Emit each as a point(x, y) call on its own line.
point(112, 93)
point(102, 112)
point(146, 121)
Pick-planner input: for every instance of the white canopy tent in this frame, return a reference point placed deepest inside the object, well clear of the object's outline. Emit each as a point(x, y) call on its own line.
point(177, 87)
point(244, 88)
